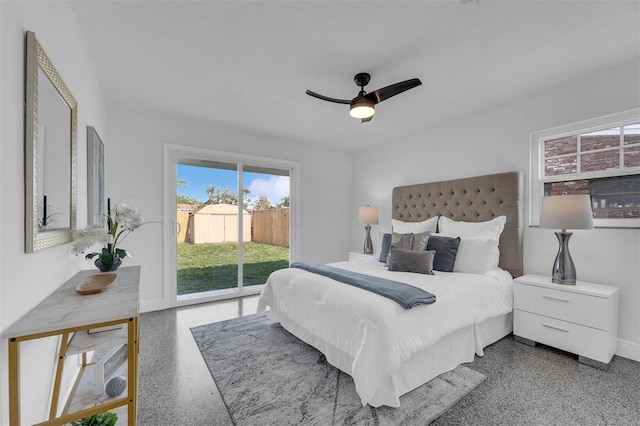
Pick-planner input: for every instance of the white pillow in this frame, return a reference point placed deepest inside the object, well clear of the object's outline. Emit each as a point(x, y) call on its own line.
point(401, 227)
point(491, 228)
point(477, 255)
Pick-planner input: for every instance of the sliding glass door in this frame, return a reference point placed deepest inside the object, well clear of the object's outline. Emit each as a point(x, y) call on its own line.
point(233, 224)
point(267, 248)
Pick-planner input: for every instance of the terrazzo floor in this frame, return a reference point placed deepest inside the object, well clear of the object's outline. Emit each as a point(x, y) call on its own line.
point(524, 386)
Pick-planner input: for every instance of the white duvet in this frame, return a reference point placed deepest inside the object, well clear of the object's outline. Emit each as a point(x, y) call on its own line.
point(377, 333)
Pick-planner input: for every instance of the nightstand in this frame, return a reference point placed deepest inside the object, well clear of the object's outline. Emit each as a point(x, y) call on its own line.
point(360, 257)
point(581, 319)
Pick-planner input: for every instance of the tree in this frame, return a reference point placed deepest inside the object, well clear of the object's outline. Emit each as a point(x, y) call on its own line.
point(262, 203)
point(184, 199)
point(225, 196)
point(284, 202)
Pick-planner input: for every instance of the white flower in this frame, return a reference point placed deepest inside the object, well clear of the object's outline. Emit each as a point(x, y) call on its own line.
point(128, 217)
point(85, 238)
point(121, 220)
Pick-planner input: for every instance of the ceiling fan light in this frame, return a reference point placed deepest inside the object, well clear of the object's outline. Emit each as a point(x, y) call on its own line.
point(362, 107)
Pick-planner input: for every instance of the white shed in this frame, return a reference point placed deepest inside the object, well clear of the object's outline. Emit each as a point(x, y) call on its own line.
point(218, 223)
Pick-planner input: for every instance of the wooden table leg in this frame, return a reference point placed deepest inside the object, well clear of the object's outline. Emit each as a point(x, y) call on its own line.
point(14, 382)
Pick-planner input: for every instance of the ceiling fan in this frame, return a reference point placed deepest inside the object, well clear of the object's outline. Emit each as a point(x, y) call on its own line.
point(363, 105)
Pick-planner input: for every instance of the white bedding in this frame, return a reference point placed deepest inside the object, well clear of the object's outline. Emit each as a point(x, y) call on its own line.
point(375, 332)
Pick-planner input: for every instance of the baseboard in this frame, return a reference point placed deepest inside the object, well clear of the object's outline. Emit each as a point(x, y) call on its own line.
point(152, 305)
point(627, 349)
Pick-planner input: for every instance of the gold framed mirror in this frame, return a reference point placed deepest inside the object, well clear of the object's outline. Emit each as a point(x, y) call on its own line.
point(51, 116)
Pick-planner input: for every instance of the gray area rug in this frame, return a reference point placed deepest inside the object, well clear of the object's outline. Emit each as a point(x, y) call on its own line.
point(267, 376)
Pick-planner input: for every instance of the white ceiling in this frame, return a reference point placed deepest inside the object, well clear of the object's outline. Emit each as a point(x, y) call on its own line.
point(248, 64)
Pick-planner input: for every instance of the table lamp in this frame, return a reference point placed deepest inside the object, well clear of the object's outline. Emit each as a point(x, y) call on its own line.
point(367, 216)
point(565, 212)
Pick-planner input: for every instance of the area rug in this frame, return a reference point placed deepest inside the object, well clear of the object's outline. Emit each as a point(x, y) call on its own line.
point(267, 376)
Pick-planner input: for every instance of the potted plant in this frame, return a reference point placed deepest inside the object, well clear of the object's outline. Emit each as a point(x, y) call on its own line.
point(121, 220)
point(102, 419)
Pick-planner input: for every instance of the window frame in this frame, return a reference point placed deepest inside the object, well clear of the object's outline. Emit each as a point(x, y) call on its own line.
point(537, 178)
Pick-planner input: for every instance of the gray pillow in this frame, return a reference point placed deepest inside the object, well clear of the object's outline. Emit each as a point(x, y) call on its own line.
point(419, 241)
point(446, 249)
point(420, 262)
point(401, 241)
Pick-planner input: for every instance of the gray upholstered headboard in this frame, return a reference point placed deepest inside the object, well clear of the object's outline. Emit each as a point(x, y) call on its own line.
point(473, 199)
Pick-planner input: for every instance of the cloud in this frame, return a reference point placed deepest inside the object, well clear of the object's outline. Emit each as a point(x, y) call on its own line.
point(274, 188)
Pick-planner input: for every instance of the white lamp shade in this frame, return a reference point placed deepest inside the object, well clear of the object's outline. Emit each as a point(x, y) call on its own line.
point(566, 212)
point(367, 215)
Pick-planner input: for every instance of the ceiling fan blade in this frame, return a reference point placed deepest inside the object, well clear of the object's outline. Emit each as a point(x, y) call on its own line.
point(366, 120)
point(326, 98)
point(389, 91)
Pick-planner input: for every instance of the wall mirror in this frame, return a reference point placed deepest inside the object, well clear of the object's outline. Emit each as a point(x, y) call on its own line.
point(50, 152)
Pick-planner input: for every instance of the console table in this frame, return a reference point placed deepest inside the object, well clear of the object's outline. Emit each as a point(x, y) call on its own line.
point(69, 315)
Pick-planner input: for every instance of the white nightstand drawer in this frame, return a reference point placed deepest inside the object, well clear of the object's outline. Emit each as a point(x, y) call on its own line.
point(586, 341)
point(591, 311)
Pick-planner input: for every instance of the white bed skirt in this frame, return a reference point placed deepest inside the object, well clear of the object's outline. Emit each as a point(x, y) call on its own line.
point(446, 354)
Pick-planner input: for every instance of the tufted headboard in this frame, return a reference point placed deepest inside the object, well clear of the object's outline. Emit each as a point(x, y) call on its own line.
point(473, 199)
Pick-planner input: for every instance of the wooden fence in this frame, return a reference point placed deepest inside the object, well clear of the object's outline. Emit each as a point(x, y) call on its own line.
point(271, 226)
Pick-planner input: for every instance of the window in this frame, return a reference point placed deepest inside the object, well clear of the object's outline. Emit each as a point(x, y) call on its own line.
point(599, 157)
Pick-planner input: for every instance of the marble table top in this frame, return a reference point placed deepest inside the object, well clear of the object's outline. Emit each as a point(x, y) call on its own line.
point(65, 308)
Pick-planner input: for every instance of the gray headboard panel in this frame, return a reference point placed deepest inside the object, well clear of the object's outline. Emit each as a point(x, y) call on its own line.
point(473, 199)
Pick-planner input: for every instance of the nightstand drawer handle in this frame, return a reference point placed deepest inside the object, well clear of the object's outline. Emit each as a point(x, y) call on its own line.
point(555, 328)
point(556, 298)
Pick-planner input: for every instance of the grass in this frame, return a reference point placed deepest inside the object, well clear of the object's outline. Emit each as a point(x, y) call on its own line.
point(206, 267)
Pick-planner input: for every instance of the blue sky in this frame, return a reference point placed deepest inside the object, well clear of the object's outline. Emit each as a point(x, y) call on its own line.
point(199, 178)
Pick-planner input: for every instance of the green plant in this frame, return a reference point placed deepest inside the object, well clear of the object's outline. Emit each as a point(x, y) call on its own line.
point(102, 419)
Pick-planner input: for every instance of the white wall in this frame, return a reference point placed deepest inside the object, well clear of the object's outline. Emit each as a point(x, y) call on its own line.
point(497, 140)
point(26, 279)
point(134, 172)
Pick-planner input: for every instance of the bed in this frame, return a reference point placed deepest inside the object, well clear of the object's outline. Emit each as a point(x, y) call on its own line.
point(387, 349)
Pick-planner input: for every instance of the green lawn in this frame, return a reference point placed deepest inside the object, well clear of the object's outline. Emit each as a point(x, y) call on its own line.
point(205, 267)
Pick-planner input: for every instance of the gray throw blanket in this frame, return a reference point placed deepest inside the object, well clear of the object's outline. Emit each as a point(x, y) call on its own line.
point(405, 295)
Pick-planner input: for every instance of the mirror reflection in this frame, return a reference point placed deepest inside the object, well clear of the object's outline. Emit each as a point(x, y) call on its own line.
point(50, 152)
point(54, 161)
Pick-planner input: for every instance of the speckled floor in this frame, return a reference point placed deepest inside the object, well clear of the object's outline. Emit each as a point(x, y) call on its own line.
point(524, 386)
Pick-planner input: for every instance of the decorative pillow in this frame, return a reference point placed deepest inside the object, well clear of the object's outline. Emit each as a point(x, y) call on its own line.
point(381, 251)
point(420, 262)
point(446, 249)
point(401, 241)
point(491, 228)
point(477, 255)
point(401, 227)
point(419, 241)
point(404, 241)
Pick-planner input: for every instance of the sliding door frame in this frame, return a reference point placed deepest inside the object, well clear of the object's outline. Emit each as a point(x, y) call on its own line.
point(173, 155)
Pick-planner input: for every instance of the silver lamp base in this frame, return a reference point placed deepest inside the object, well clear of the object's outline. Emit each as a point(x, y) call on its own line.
point(368, 244)
point(564, 271)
